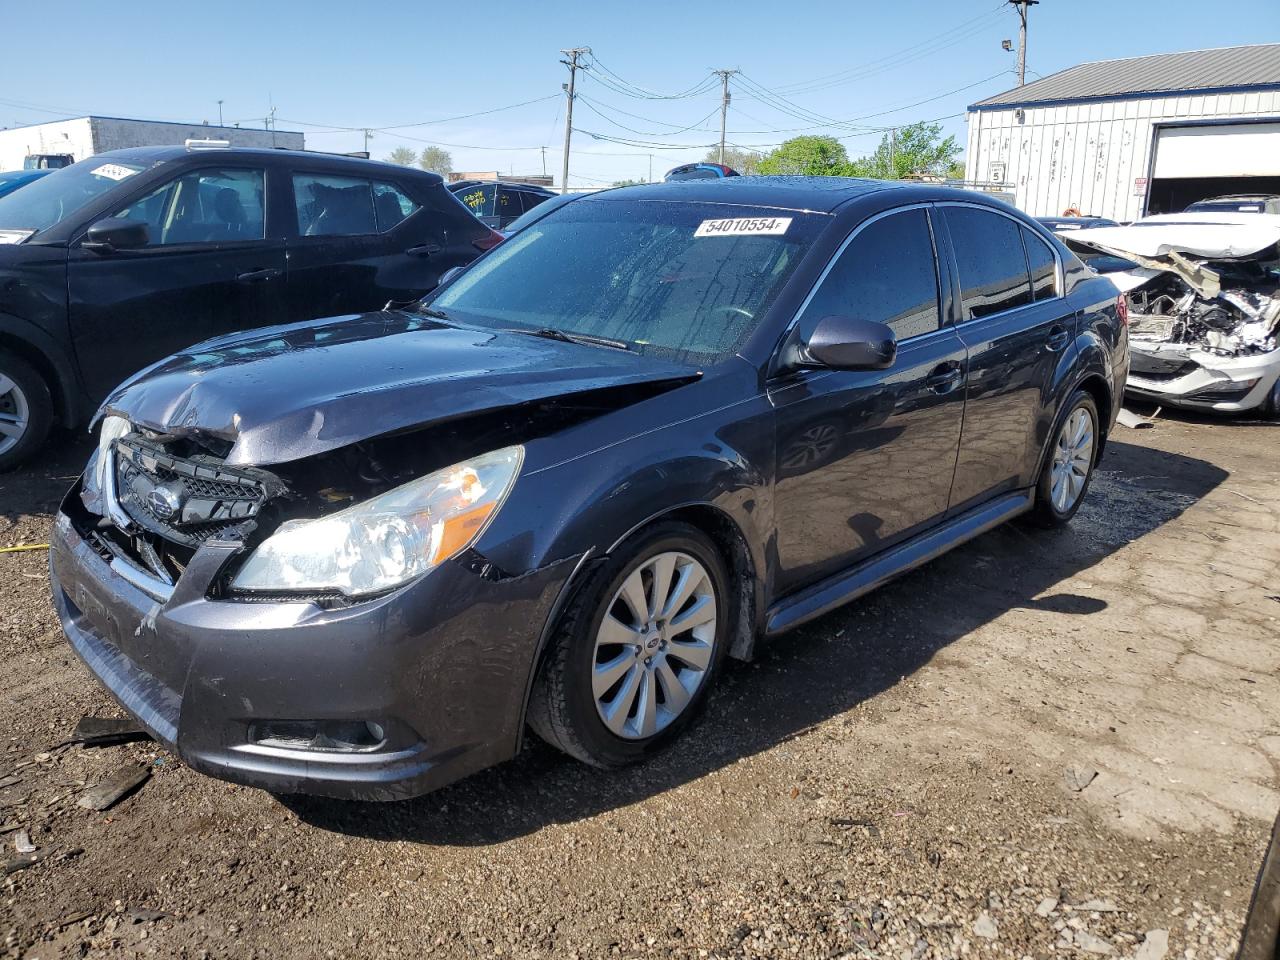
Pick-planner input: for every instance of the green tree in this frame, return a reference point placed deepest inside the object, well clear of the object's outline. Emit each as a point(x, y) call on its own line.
point(403, 156)
point(746, 162)
point(807, 156)
point(917, 149)
point(955, 170)
point(437, 160)
point(628, 183)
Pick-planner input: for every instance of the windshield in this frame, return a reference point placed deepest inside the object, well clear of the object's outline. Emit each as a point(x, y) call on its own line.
point(534, 214)
point(689, 281)
point(44, 202)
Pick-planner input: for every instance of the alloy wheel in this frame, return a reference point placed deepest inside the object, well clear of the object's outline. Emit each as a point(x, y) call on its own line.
point(15, 414)
point(1072, 459)
point(654, 646)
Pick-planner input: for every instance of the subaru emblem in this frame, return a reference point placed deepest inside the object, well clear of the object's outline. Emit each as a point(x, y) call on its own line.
point(163, 503)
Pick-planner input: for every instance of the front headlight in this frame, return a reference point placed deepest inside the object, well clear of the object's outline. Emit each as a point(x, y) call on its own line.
point(96, 478)
point(387, 540)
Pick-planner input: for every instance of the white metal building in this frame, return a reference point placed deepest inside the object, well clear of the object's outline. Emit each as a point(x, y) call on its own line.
point(1122, 138)
point(85, 136)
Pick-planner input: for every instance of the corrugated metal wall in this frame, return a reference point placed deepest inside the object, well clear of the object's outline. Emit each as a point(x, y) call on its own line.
point(1088, 155)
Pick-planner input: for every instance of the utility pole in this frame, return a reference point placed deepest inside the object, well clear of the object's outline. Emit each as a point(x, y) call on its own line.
point(650, 180)
point(1023, 6)
point(219, 113)
point(544, 161)
point(367, 134)
point(572, 63)
point(893, 151)
point(724, 76)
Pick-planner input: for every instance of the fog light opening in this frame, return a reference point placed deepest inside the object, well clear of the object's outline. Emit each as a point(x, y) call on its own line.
point(349, 736)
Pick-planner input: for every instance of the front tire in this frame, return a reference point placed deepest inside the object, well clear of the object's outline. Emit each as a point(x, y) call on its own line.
point(637, 650)
point(26, 410)
point(1064, 479)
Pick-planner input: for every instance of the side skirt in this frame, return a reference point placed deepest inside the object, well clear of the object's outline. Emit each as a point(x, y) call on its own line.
point(823, 597)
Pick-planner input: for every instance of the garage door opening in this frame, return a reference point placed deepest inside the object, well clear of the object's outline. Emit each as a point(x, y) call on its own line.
point(1176, 194)
point(1197, 161)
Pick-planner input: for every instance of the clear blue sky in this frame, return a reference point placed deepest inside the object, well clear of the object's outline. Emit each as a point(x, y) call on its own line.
point(332, 65)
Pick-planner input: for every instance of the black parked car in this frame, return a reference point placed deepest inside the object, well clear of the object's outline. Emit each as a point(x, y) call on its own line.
point(497, 203)
point(357, 557)
point(116, 261)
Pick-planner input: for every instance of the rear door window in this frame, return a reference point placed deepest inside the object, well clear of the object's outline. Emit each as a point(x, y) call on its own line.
point(480, 200)
point(333, 206)
point(391, 205)
point(1043, 266)
point(886, 273)
point(992, 264)
point(203, 206)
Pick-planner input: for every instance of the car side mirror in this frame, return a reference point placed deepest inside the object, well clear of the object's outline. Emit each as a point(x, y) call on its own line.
point(116, 233)
point(848, 343)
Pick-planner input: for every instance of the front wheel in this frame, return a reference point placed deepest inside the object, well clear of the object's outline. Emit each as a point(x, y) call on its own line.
point(637, 650)
point(26, 410)
point(1069, 467)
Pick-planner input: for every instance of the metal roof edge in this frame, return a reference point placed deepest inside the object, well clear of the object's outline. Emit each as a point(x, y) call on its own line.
point(984, 107)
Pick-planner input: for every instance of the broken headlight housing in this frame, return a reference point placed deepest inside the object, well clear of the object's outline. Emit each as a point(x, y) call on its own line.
point(388, 540)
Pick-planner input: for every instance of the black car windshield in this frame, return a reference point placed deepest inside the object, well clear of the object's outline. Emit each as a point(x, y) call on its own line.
point(689, 281)
point(49, 200)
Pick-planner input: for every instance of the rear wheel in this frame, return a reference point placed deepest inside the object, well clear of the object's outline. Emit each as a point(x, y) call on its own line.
point(637, 650)
point(1065, 477)
point(26, 410)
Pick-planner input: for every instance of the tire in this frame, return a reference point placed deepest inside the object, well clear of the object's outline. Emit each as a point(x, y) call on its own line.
point(25, 407)
point(1052, 508)
point(564, 708)
point(1271, 405)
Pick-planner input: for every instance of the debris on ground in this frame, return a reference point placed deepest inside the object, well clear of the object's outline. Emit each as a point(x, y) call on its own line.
point(108, 731)
point(22, 842)
point(114, 789)
point(1134, 421)
point(1154, 946)
point(1096, 906)
point(1077, 778)
point(985, 927)
point(1046, 906)
point(1091, 943)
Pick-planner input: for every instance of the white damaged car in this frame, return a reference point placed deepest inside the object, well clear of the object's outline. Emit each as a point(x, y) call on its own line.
point(1204, 308)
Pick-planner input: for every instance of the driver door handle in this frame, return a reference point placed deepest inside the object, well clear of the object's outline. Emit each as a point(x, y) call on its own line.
point(424, 250)
point(257, 276)
point(945, 376)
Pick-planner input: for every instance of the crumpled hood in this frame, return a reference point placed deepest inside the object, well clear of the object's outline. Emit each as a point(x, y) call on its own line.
point(1244, 236)
point(282, 393)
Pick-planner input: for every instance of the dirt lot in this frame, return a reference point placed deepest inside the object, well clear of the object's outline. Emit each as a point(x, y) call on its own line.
point(888, 782)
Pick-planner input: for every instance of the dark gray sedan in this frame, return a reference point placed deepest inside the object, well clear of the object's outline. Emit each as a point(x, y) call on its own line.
point(360, 556)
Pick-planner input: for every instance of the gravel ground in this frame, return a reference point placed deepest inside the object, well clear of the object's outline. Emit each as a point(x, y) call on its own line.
point(896, 780)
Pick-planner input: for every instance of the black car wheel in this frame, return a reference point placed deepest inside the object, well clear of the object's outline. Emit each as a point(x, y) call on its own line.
point(637, 649)
point(26, 410)
point(1064, 479)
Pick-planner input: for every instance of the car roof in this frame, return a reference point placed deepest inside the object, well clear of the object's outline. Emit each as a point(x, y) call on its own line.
point(8, 176)
point(151, 155)
point(1240, 198)
point(814, 194)
point(510, 184)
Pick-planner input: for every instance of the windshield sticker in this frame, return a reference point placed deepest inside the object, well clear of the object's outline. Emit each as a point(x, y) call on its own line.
point(743, 226)
point(113, 171)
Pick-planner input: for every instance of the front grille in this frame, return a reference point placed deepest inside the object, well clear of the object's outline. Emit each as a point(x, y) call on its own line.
point(185, 501)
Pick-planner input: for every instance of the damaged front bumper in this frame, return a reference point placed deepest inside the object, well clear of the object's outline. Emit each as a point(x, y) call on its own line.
point(380, 700)
point(1180, 375)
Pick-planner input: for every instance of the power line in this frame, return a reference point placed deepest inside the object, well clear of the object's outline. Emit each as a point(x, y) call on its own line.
point(639, 92)
point(696, 125)
point(900, 57)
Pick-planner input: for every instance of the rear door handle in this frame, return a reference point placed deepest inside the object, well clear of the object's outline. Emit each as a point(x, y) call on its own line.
point(424, 250)
point(1059, 337)
point(945, 377)
point(257, 276)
